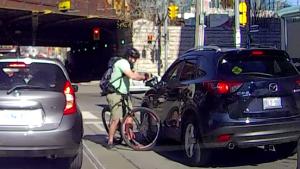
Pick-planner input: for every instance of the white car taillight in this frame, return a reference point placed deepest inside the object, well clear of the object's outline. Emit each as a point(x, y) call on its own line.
point(70, 107)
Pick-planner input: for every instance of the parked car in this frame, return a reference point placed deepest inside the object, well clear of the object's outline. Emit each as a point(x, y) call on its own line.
point(296, 62)
point(228, 98)
point(137, 86)
point(39, 116)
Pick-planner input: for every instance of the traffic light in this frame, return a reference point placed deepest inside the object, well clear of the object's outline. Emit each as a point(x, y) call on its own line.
point(96, 33)
point(150, 39)
point(243, 13)
point(64, 5)
point(172, 12)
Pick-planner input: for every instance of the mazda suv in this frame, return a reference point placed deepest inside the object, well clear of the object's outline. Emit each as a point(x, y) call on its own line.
point(39, 116)
point(212, 98)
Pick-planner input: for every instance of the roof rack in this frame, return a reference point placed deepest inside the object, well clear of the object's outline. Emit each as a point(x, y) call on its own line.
point(215, 48)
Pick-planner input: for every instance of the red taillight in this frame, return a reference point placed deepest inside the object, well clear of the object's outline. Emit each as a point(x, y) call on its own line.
point(223, 138)
point(70, 106)
point(223, 87)
point(298, 82)
point(17, 65)
point(257, 53)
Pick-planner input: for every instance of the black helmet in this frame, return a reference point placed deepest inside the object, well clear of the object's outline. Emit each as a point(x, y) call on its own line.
point(132, 52)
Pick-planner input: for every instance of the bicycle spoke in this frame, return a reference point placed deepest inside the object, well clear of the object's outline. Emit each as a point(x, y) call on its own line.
point(145, 126)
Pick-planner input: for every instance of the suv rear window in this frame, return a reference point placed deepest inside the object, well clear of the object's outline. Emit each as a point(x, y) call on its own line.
point(256, 65)
point(48, 77)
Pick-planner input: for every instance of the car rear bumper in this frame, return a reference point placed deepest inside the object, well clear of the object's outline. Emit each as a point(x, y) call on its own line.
point(61, 142)
point(244, 136)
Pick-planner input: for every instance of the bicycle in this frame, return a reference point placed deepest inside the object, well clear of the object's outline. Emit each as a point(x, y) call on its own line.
point(142, 133)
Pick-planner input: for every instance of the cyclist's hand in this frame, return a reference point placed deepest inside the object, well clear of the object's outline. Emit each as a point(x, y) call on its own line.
point(147, 76)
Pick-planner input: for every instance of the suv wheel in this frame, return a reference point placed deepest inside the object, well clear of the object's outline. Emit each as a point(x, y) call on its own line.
point(194, 153)
point(286, 149)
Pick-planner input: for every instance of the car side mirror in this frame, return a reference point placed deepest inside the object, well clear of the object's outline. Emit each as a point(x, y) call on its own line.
point(75, 87)
point(152, 82)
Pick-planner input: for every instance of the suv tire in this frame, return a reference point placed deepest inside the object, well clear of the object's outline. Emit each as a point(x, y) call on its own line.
point(286, 149)
point(194, 153)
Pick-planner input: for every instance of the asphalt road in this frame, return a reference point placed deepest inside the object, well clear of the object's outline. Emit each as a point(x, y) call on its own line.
point(164, 156)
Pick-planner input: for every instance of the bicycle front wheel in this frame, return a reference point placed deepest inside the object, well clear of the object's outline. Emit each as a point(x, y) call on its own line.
point(140, 128)
point(106, 119)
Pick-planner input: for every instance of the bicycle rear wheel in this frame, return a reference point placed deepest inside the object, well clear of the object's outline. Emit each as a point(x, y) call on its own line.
point(140, 128)
point(106, 119)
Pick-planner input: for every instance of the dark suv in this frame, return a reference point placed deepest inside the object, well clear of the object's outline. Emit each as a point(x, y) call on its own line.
point(226, 98)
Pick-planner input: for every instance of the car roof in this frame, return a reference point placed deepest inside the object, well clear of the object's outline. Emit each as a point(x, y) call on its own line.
point(29, 60)
point(214, 51)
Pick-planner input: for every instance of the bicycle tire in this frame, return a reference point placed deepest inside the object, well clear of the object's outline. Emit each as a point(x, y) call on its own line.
point(145, 128)
point(105, 114)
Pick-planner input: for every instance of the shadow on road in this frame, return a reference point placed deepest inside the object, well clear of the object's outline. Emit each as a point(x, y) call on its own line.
point(222, 158)
point(30, 163)
point(97, 138)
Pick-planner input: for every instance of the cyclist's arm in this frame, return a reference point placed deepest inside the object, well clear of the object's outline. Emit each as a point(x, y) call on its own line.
point(134, 75)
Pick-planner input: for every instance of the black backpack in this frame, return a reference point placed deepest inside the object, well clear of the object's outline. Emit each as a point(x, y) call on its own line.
point(105, 84)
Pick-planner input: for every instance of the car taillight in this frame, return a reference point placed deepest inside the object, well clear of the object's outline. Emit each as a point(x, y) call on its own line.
point(70, 107)
point(17, 65)
point(257, 53)
point(298, 82)
point(223, 87)
point(223, 138)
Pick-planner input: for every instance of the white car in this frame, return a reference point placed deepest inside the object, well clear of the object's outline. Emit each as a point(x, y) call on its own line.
point(138, 86)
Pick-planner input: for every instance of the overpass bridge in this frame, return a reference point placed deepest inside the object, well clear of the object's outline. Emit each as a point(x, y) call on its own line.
point(41, 23)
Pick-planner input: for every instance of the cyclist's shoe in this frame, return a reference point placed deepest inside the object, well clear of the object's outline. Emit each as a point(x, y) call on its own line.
point(129, 131)
point(110, 146)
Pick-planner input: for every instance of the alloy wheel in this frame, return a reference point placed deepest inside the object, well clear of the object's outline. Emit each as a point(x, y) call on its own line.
point(190, 140)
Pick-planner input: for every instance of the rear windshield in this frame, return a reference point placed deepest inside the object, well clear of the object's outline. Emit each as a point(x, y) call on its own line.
point(262, 65)
point(42, 76)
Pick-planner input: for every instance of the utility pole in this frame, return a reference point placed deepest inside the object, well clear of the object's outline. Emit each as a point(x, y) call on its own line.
point(237, 24)
point(165, 35)
point(199, 24)
point(248, 23)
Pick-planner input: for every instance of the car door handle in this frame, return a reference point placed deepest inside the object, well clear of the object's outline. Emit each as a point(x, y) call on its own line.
point(161, 99)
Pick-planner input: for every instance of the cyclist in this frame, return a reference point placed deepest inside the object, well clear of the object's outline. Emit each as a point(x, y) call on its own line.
point(122, 72)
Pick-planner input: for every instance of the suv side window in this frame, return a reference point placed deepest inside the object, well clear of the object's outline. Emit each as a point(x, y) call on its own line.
point(173, 72)
point(190, 71)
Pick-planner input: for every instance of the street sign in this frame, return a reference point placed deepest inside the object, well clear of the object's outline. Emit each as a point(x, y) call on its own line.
point(64, 5)
point(254, 28)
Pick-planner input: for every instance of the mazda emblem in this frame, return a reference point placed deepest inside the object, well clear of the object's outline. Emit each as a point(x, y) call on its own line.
point(273, 87)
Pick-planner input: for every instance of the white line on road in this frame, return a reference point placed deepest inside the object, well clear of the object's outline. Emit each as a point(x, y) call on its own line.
point(91, 156)
point(88, 115)
point(98, 124)
point(100, 127)
point(91, 161)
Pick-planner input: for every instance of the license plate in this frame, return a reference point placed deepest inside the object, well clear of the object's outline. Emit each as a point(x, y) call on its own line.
point(21, 117)
point(272, 103)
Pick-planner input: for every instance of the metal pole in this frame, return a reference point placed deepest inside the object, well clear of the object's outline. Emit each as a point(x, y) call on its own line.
point(237, 24)
point(166, 36)
point(248, 23)
point(199, 24)
point(197, 17)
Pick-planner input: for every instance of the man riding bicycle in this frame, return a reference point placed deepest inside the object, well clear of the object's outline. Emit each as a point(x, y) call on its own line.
point(122, 72)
